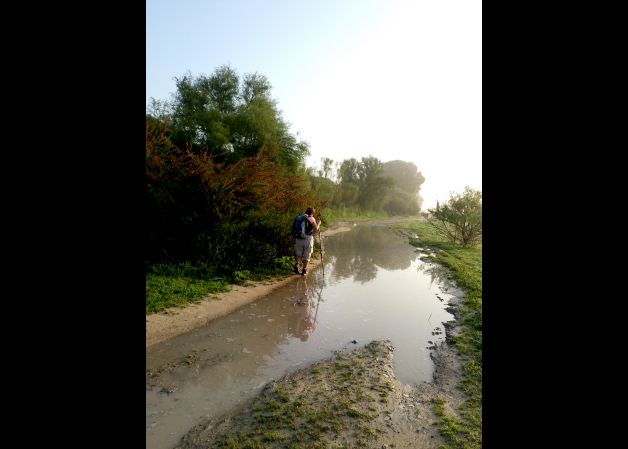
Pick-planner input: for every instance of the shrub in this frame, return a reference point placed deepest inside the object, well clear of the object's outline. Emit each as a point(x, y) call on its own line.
point(460, 219)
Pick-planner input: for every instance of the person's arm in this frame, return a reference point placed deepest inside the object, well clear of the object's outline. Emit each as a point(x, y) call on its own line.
point(316, 225)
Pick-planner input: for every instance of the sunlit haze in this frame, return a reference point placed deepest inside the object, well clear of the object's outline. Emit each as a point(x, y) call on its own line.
point(393, 79)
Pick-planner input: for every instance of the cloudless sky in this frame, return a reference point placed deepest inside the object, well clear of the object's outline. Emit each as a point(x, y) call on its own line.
point(393, 79)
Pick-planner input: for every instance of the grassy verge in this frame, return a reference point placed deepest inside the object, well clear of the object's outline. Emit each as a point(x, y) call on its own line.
point(179, 285)
point(464, 266)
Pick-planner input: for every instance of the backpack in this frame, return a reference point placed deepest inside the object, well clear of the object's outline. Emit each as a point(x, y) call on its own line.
point(301, 227)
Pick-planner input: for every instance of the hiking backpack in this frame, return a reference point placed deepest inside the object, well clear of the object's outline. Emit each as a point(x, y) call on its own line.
point(301, 227)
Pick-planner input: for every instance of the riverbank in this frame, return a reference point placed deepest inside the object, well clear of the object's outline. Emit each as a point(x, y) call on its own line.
point(176, 321)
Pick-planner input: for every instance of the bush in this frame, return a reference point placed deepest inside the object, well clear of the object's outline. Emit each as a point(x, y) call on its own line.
point(460, 219)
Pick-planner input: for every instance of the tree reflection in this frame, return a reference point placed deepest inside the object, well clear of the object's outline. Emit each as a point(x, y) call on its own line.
point(360, 252)
point(436, 272)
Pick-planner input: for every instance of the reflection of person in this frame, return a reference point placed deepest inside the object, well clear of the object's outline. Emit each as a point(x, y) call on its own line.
point(302, 322)
point(303, 247)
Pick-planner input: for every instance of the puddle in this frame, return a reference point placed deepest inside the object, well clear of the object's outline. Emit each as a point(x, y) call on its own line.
point(372, 286)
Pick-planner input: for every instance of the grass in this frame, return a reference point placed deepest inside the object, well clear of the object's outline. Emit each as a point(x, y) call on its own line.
point(179, 285)
point(464, 266)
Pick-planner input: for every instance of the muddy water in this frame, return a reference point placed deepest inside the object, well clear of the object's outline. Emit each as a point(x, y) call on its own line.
point(372, 286)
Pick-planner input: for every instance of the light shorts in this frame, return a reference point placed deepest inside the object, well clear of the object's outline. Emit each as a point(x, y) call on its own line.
point(303, 247)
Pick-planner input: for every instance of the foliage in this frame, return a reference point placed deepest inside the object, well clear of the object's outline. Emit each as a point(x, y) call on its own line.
point(231, 119)
point(324, 189)
point(400, 202)
point(371, 185)
point(224, 175)
point(362, 184)
point(235, 216)
point(326, 170)
point(403, 198)
point(460, 219)
point(405, 175)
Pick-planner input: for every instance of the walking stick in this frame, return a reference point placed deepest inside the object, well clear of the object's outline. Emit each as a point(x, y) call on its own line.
point(318, 302)
point(320, 239)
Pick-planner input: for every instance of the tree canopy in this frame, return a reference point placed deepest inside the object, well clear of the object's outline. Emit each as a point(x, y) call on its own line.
point(231, 118)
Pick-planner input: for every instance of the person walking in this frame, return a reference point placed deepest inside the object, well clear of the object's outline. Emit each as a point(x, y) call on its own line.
point(306, 225)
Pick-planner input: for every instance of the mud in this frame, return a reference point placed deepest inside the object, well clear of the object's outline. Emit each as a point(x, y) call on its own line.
point(351, 400)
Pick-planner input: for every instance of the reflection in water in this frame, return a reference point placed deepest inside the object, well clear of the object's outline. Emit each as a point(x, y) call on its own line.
point(358, 254)
point(438, 275)
point(302, 319)
point(373, 288)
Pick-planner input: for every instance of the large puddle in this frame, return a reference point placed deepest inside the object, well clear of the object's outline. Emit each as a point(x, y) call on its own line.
point(372, 286)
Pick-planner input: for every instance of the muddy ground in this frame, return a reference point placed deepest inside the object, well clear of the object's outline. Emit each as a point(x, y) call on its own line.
point(352, 400)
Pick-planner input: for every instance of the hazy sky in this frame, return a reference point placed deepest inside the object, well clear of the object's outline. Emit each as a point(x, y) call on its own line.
point(394, 79)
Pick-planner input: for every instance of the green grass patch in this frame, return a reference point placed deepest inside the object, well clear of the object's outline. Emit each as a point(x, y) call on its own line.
point(273, 436)
point(179, 285)
point(464, 266)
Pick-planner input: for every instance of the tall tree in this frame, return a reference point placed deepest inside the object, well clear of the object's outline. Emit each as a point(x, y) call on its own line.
point(404, 198)
point(405, 175)
point(327, 170)
point(232, 119)
point(348, 172)
point(373, 185)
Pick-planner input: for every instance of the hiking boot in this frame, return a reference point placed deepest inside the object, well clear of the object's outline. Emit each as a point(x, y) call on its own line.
point(296, 269)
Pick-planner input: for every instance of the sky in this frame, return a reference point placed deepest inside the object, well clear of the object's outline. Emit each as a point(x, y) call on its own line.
point(393, 79)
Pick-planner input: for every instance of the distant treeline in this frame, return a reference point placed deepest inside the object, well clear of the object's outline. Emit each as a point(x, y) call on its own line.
point(225, 177)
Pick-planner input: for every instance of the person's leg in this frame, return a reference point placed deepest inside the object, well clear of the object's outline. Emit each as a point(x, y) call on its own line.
point(297, 256)
point(307, 252)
